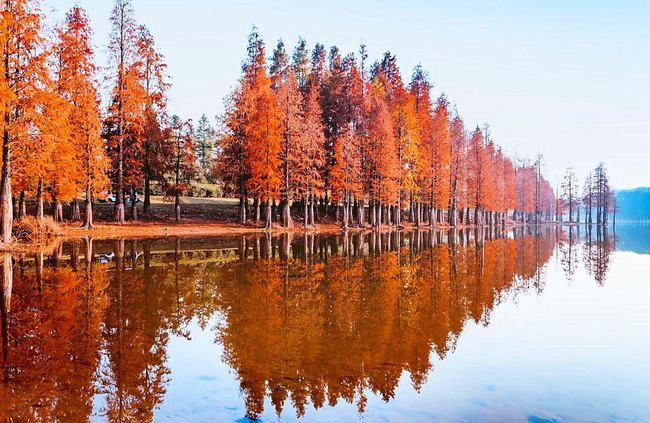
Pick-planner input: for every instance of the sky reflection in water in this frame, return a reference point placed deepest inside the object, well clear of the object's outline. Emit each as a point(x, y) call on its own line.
point(404, 326)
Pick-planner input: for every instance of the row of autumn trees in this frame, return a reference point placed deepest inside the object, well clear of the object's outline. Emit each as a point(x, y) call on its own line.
point(316, 129)
point(324, 130)
point(56, 142)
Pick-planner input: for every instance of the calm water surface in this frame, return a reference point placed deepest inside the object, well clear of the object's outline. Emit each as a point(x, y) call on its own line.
point(464, 326)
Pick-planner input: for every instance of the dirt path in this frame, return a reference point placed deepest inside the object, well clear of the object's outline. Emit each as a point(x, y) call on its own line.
point(143, 230)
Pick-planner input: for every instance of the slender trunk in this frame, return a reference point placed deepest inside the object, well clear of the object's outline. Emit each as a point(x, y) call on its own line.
point(274, 211)
point(312, 220)
point(242, 210)
point(6, 207)
point(177, 188)
point(88, 220)
point(177, 207)
point(379, 216)
point(76, 213)
point(134, 207)
point(306, 213)
point(119, 190)
point(58, 211)
point(22, 209)
point(287, 222)
point(361, 214)
point(344, 223)
point(88, 223)
point(268, 223)
point(39, 201)
point(398, 211)
point(146, 205)
point(452, 214)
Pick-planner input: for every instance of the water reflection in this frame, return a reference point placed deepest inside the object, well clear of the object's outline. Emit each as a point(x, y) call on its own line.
point(302, 319)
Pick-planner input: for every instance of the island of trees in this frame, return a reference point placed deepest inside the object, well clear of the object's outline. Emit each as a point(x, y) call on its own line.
point(310, 134)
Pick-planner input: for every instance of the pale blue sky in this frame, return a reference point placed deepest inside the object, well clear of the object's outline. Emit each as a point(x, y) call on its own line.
point(568, 79)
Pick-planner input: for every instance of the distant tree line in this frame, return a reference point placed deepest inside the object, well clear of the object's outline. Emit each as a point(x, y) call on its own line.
point(594, 205)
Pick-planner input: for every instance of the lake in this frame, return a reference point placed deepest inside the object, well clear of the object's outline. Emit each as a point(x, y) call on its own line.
point(536, 325)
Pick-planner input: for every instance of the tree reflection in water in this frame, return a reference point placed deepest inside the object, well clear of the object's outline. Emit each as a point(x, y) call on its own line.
point(302, 318)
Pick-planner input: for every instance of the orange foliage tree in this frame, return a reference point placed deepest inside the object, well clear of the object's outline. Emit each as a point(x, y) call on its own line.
point(77, 84)
point(312, 152)
point(262, 134)
point(156, 143)
point(22, 69)
point(124, 123)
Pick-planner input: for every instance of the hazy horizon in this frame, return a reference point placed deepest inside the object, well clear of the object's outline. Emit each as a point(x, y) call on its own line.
point(568, 81)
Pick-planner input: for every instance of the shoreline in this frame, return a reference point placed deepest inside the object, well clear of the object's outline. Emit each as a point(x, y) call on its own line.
point(135, 230)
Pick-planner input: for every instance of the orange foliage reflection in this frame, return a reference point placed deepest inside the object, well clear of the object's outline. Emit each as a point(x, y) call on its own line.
point(334, 319)
point(303, 319)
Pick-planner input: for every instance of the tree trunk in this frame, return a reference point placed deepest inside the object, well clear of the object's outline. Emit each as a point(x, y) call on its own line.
point(268, 222)
point(398, 213)
point(306, 213)
point(452, 214)
point(22, 209)
point(312, 217)
point(177, 207)
point(119, 196)
point(379, 216)
point(58, 211)
point(344, 222)
point(274, 211)
point(242, 210)
point(287, 222)
point(6, 207)
point(88, 223)
point(39, 201)
point(76, 213)
point(361, 212)
point(146, 206)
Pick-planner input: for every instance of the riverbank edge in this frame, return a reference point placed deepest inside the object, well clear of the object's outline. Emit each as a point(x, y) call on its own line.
point(133, 230)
